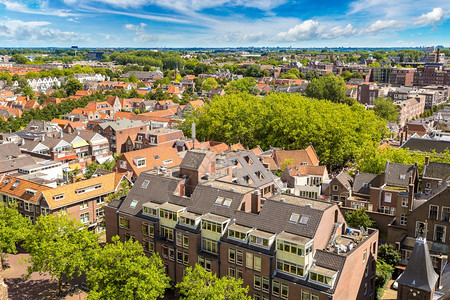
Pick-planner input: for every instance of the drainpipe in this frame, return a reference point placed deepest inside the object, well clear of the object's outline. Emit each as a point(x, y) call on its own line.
point(218, 254)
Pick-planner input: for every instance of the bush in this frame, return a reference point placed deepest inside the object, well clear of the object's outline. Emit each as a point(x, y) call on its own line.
point(383, 275)
point(389, 254)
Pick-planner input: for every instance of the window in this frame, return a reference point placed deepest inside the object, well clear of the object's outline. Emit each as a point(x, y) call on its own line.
point(256, 282)
point(133, 204)
point(405, 202)
point(304, 220)
point(294, 218)
point(249, 260)
point(236, 234)
point(265, 284)
point(403, 219)
point(259, 241)
point(31, 192)
point(445, 215)
point(186, 241)
point(148, 246)
point(365, 289)
point(239, 273)
point(140, 162)
point(211, 226)
point(145, 184)
point(276, 288)
point(167, 214)
point(239, 258)
point(305, 295)
point(320, 278)
point(231, 255)
point(256, 297)
point(100, 213)
point(171, 254)
point(167, 232)
point(205, 263)
point(231, 272)
point(335, 188)
point(58, 197)
point(179, 239)
point(257, 263)
point(84, 205)
point(179, 257)
point(186, 258)
point(364, 255)
point(433, 212)
point(124, 223)
point(421, 228)
point(209, 245)
point(387, 197)
point(289, 247)
point(27, 206)
point(45, 211)
point(439, 233)
point(84, 218)
point(314, 296)
point(289, 267)
point(187, 221)
point(284, 291)
point(147, 229)
point(165, 251)
point(100, 200)
point(366, 271)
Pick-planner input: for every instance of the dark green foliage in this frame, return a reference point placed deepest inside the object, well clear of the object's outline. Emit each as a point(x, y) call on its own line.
point(383, 275)
point(358, 218)
point(328, 87)
point(389, 254)
point(386, 109)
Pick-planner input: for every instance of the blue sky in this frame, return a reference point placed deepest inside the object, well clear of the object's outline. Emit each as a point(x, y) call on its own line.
point(224, 23)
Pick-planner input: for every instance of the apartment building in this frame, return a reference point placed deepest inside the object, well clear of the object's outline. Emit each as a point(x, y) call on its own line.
point(402, 76)
point(282, 246)
point(82, 200)
point(432, 74)
point(410, 108)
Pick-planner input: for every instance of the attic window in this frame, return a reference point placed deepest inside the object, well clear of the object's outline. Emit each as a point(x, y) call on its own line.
point(259, 175)
point(16, 184)
point(294, 218)
point(227, 202)
point(168, 161)
point(304, 220)
point(402, 176)
point(30, 192)
point(156, 156)
point(7, 180)
point(133, 203)
point(219, 200)
point(304, 163)
point(140, 162)
point(145, 184)
point(58, 197)
point(248, 160)
point(364, 185)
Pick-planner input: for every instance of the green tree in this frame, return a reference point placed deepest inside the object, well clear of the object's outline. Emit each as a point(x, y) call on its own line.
point(386, 109)
point(208, 84)
point(132, 78)
point(241, 85)
point(14, 228)
point(389, 254)
point(60, 246)
point(199, 284)
point(327, 87)
point(28, 91)
point(122, 271)
point(358, 218)
point(20, 59)
point(72, 86)
point(383, 275)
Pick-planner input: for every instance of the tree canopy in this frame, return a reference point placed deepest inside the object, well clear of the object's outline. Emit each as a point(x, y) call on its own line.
point(338, 132)
point(389, 254)
point(386, 109)
point(60, 246)
point(241, 85)
point(199, 284)
point(122, 271)
point(72, 86)
point(358, 218)
point(328, 87)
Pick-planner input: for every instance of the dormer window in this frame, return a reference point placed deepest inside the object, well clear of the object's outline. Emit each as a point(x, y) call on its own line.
point(58, 197)
point(31, 192)
point(140, 162)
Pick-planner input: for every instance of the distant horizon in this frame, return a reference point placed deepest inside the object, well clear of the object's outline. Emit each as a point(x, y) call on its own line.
point(223, 23)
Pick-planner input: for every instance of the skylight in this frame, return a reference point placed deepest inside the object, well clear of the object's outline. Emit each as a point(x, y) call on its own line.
point(133, 203)
point(294, 218)
point(219, 200)
point(304, 220)
point(145, 184)
point(227, 202)
point(16, 184)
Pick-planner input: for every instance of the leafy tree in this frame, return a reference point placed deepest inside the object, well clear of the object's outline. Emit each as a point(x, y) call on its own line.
point(72, 86)
point(122, 271)
point(132, 78)
point(327, 87)
point(137, 111)
point(14, 228)
point(389, 254)
point(208, 84)
point(358, 218)
point(383, 275)
point(241, 85)
point(252, 71)
point(20, 59)
point(58, 245)
point(386, 109)
point(28, 91)
point(347, 75)
point(199, 284)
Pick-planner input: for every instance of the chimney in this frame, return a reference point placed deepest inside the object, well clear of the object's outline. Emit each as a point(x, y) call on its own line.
point(410, 195)
point(427, 160)
point(256, 202)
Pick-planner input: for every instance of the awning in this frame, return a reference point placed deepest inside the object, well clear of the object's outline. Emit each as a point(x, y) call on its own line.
point(71, 156)
point(80, 144)
point(75, 167)
point(102, 159)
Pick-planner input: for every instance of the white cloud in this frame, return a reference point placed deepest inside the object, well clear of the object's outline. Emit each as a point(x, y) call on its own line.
point(239, 37)
point(433, 17)
point(339, 31)
point(16, 30)
point(42, 10)
point(140, 35)
point(382, 25)
point(307, 30)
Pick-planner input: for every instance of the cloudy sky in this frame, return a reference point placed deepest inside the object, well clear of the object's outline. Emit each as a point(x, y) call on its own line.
point(223, 23)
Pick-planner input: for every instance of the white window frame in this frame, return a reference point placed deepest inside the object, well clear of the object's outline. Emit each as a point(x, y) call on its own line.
point(434, 233)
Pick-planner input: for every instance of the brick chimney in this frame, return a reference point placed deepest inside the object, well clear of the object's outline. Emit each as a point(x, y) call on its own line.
point(256, 202)
point(427, 160)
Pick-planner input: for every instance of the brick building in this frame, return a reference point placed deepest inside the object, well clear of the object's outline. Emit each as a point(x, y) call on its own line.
point(432, 74)
point(402, 76)
point(282, 246)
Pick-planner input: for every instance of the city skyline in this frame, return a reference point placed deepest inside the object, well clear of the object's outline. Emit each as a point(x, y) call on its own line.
point(224, 23)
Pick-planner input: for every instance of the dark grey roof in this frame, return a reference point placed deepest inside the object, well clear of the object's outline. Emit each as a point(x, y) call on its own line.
point(419, 272)
point(436, 170)
point(426, 145)
point(363, 182)
point(192, 160)
point(398, 174)
point(9, 150)
point(15, 163)
point(345, 179)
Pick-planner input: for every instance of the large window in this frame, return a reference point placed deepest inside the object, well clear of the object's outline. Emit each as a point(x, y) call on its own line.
point(276, 288)
point(321, 278)
point(167, 214)
point(289, 247)
point(256, 282)
point(439, 233)
point(265, 284)
point(257, 263)
point(288, 267)
point(433, 214)
point(284, 291)
point(205, 263)
point(259, 241)
point(147, 229)
point(445, 214)
point(211, 226)
point(124, 223)
point(167, 232)
point(84, 218)
point(231, 256)
point(403, 219)
point(209, 246)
